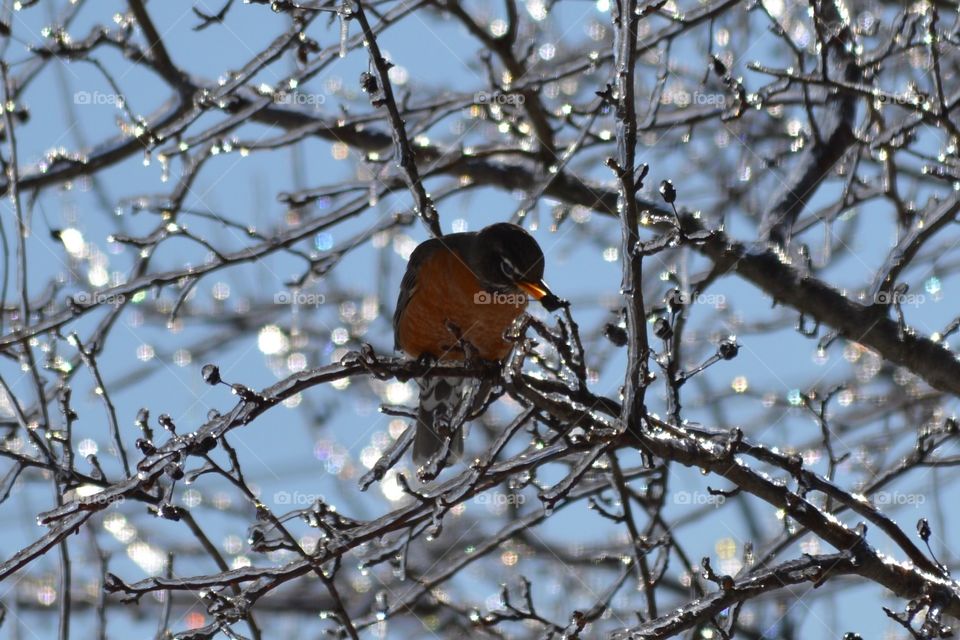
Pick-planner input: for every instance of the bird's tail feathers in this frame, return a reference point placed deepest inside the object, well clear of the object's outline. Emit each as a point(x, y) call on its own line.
point(445, 405)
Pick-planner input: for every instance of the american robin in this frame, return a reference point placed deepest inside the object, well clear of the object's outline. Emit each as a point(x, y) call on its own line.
point(459, 295)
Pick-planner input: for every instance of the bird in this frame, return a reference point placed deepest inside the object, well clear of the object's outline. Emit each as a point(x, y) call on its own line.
point(459, 295)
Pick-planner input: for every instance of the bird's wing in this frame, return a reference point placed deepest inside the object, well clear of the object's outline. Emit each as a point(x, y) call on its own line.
point(409, 283)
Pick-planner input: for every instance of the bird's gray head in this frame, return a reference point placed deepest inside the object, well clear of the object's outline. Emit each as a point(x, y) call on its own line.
point(507, 258)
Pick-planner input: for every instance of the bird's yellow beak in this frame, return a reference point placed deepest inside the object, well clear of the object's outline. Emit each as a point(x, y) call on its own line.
point(536, 290)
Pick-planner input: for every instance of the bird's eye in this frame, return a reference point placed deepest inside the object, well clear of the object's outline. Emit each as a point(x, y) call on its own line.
point(507, 268)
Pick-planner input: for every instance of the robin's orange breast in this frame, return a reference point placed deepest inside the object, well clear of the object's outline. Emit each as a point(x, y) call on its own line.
point(447, 292)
